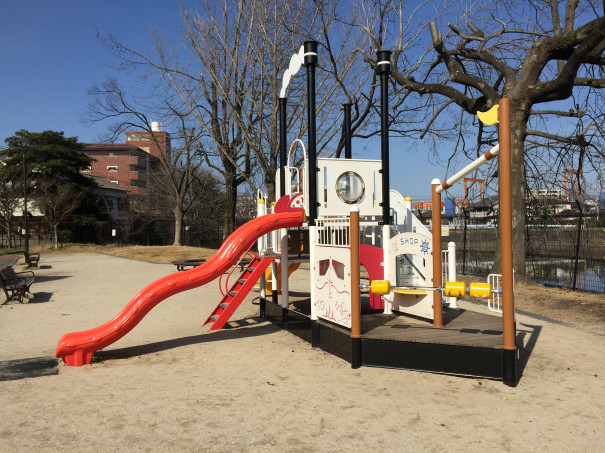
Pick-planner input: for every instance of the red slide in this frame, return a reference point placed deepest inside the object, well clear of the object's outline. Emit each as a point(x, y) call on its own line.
point(77, 348)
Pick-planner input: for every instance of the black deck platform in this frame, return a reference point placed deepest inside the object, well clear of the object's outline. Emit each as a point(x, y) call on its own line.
point(469, 344)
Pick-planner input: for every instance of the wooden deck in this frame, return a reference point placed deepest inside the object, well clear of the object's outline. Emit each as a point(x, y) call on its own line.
point(469, 344)
point(461, 327)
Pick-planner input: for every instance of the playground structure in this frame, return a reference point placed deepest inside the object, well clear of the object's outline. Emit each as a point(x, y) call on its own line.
point(338, 215)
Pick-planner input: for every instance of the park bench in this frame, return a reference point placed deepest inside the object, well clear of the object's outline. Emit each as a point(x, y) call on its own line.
point(16, 284)
point(32, 259)
point(182, 265)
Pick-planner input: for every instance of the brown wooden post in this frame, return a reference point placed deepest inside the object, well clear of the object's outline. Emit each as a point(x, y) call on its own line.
point(355, 293)
point(436, 218)
point(506, 245)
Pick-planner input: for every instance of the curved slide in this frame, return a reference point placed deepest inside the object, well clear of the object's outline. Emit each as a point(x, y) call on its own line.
point(77, 348)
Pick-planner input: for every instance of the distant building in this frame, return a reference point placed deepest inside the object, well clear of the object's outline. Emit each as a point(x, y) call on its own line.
point(546, 193)
point(114, 196)
point(129, 164)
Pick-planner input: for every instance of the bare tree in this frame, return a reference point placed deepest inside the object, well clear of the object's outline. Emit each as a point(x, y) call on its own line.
point(56, 202)
point(524, 51)
point(11, 196)
point(227, 73)
point(177, 172)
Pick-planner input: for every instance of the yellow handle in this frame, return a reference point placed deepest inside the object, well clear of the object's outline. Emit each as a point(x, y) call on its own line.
point(380, 287)
point(455, 289)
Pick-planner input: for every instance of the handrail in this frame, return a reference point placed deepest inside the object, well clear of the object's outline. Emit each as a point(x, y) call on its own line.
point(249, 253)
point(488, 155)
point(292, 147)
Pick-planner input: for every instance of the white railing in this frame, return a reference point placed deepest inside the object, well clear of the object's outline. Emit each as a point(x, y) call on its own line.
point(333, 232)
point(495, 301)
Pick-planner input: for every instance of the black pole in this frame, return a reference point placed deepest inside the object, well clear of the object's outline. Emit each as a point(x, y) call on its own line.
point(283, 102)
point(347, 130)
point(384, 69)
point(310, 63)
point(26, 249)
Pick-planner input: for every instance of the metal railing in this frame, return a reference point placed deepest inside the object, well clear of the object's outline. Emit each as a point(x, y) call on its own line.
point(334, 232)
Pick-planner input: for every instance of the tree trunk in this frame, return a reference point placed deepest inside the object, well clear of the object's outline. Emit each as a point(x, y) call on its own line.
point(230, 203)
point(55, 237)
point(178, 225)
point(271, 178)
point(518, 118)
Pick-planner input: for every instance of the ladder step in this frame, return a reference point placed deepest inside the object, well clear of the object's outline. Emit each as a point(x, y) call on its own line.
point(242, 280)
point(251, 269)
point(223, 305)
point(232, 293)
point(214, 317)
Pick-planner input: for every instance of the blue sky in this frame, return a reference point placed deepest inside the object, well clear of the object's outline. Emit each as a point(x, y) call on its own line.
point(50, 55)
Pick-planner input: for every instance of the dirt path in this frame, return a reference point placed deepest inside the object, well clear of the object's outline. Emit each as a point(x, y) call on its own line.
point(170, 385)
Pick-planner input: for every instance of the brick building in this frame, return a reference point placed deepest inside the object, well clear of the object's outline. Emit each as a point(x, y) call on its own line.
point(129, 164)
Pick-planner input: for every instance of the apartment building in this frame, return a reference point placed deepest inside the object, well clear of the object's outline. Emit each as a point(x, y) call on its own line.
point(129, 164)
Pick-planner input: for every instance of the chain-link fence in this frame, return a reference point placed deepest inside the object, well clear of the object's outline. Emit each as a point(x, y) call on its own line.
point(570, 253)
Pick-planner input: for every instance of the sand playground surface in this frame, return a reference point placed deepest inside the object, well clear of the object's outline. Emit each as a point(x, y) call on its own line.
point(170, 385)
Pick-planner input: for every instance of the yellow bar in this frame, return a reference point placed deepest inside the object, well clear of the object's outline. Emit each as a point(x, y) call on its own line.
point(455, 289)
point(480, 290)
point(380, 287)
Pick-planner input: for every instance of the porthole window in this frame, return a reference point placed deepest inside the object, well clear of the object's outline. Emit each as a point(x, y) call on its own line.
point(350, 187)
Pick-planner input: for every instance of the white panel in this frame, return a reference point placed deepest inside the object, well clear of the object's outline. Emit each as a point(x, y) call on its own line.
point(329, 171)
point(332, 281)
point(421, 273)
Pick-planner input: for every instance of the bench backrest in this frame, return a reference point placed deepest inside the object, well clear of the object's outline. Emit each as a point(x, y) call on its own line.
point(8, 273)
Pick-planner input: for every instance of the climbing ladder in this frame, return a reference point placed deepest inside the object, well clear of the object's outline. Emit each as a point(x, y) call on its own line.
point(238, 291)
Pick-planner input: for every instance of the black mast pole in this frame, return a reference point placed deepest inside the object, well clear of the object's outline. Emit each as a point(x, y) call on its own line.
point(283, 102)
point(384, 69)
point(347, 130)
point(310, 63)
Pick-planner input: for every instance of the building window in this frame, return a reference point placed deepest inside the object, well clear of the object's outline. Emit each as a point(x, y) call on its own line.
point(86, 169)
point(111, 154)
point(115, 182)
point(138, 138)
point(112, 168)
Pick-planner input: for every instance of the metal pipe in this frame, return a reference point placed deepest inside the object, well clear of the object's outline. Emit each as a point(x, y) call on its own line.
point(384, 69)
point(347, 130)
point(283, 102)
point(355, 293)
point(436, 218)
point(488, 155)
point(310, 62)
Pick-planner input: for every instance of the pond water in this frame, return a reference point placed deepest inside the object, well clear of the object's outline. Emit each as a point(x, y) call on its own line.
point(554, 272)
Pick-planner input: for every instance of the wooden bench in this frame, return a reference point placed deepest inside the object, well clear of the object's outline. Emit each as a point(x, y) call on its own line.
point(182, 265)
point(32, 259)
point(16, 284)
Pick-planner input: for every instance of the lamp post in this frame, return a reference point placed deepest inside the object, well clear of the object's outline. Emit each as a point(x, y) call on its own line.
point(26, 248)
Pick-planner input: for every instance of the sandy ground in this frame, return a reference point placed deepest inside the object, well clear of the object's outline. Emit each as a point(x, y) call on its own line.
point(169, 385)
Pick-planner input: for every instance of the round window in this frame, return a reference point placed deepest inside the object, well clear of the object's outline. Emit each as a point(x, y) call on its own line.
point(350, 187)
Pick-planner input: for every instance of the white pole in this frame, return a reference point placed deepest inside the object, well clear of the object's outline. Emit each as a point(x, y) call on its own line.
point(274, 279)
point(386, 236)
point(261, 211)
point(312, 269)
point(408, 215)
point(284, 268)
point(451, 270)
point(488, 155)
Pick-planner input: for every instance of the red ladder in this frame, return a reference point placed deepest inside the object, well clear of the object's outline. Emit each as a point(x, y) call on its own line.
point(239, 290)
